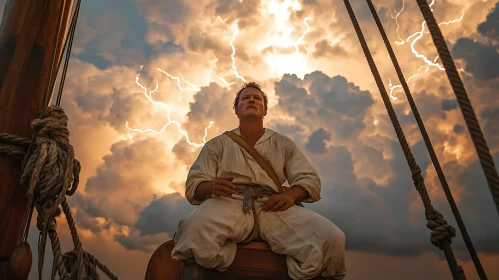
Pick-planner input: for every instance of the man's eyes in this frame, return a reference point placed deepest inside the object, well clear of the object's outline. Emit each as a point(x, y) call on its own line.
point(256, 97)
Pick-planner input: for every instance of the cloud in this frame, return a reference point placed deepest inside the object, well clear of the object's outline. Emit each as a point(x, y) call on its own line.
point(163, 215)
point(332, 103)
point(317, 141)
point(324, 49)
point(124, 184)
point(480, 58)
point(110, 33)
point(449, 104)
point(368, 177)
point(490, 27)
point(211, 103)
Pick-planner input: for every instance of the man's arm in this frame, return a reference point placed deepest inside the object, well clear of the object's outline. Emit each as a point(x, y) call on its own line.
point(202, 172)
point(221, 186)
point(304, 180)
point(300, 173)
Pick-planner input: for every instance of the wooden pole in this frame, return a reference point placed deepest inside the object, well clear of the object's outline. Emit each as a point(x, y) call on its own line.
point(31, 38)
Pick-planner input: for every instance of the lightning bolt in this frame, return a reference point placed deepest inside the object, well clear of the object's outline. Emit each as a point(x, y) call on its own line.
point(222, 20)
point(224, 81)
point(397, 22)
point(415, 37)
point(234, 26)
point(301, 38)
point(149, 97)
point(192, 88)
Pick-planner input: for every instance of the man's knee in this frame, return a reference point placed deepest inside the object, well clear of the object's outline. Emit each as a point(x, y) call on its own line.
point(336, 240)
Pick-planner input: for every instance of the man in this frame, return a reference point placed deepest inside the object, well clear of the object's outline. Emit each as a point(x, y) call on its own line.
point(218, 181)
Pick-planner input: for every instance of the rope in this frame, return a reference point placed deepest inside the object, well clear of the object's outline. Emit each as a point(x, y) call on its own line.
point(442, 233)
point(250, 194)
point(429, 146)
point(68, 43)
point(51, 173)
point(481, 147)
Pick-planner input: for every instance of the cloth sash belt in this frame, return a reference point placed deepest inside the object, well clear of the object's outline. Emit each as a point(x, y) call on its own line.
point(251, 193)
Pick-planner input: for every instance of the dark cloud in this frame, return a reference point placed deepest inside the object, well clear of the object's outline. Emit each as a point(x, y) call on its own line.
point(96, 104)
point(324, 49)
point(481, 59)
point(449, 104)
point(492, 125)
point(163, 12)
point(110, 33)
point(478, 208)
point(163, 215)
point(144, 243)
point(317, 141)
point(490, 27)
point(383, 220)
point(458, 129)
point(320, 101)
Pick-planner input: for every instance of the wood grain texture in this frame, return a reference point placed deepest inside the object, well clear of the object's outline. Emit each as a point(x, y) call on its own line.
point(252, 261)
point(28, 46)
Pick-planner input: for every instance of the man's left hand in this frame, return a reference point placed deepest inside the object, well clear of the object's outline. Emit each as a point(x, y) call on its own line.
point(278, 202)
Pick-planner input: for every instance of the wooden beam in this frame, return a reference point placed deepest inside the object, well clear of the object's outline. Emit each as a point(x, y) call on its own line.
point(31, 38)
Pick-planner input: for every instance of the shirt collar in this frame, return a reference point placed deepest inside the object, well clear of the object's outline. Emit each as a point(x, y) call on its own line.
point(266, 135)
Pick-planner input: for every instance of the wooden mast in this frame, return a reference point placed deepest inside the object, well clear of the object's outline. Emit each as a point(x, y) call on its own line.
point(32, 36)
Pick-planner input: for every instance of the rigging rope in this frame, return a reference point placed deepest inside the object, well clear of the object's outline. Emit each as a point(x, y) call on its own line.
point(481, 147)
point(442, 233)
point(51, 173)
point(429, 146)
point(68, 44)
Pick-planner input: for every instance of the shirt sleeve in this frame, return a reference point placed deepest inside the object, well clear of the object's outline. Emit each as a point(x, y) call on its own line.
point(203, 169)
point(300, 172)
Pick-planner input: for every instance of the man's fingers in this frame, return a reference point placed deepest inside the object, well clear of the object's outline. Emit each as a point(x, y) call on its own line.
point(227, 190)
point(285, 206)
point(278, 205)
point(227, 183)
point(226, 178)
point(270, 203)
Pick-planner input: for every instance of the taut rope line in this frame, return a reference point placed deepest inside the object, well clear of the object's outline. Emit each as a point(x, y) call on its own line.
point(481, 147)
point(442, 233)
point(429, 146)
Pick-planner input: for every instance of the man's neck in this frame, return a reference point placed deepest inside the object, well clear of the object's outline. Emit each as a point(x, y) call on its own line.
point(251, 130)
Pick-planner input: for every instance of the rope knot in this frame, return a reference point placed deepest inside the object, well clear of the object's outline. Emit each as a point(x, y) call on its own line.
point(69, 260)
point(440, 230)
point(50, 167)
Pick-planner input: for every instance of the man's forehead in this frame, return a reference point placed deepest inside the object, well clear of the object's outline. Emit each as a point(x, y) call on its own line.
point(251, 91)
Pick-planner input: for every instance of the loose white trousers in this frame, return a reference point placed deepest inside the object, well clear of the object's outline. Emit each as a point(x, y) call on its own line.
point(313, 244)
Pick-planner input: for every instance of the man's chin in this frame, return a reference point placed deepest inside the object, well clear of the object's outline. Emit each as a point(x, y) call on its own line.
point(251, 117)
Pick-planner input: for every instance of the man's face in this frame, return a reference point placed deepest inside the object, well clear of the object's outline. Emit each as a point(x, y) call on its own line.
point(251, 104)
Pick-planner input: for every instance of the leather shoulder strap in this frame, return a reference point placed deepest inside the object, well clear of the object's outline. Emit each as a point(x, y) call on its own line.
point(259, 159)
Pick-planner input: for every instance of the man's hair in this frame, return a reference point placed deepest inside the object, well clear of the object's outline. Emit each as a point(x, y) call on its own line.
point(250, 85)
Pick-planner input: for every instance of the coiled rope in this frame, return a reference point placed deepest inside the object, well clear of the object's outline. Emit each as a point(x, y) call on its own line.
point(51, 172)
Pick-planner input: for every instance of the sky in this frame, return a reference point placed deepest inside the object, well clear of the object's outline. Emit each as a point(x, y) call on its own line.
point(149, 82)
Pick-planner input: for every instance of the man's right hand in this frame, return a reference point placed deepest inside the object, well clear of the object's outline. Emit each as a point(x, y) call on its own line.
point(222, 186)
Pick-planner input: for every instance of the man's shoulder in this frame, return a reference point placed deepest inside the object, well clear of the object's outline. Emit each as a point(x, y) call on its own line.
point(280, 137)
